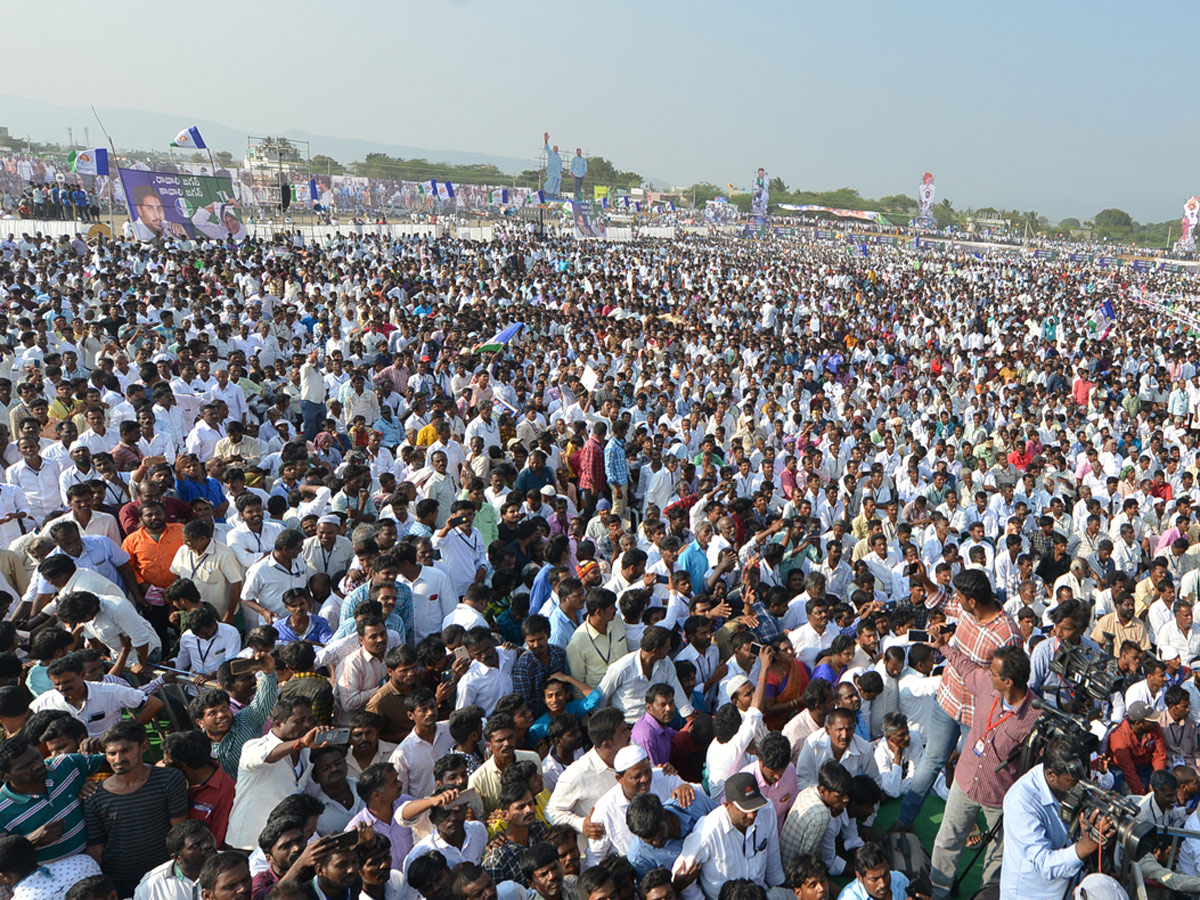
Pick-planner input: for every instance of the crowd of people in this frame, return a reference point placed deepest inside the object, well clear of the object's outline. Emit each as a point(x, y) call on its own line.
point(66, 202)
point(553, 570)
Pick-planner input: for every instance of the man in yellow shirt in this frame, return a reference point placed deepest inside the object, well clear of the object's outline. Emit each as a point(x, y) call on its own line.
point(429, 433)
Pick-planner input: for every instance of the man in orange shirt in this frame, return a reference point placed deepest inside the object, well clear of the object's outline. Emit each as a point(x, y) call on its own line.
point(151, 551)
point(1137, 747)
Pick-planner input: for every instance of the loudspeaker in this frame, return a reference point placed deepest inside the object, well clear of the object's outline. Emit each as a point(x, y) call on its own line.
point(285, 196)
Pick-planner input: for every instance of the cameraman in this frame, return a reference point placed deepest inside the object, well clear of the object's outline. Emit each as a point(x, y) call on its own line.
point(1070, 619)
point(1039, 860)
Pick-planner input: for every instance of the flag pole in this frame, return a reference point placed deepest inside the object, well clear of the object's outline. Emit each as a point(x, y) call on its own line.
point(111, 193)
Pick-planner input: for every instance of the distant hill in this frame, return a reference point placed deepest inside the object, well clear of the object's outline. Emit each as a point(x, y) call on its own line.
point(134, 129)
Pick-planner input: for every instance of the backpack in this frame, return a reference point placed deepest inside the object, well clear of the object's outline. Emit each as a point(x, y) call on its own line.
point(905, 854)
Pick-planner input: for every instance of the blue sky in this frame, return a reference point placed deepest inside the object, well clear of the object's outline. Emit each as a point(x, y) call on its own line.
point(1065, 108)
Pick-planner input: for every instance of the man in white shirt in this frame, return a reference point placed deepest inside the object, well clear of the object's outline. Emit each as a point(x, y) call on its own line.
point(202, 439)
point(587, 779)
point(111, 623)
point(232, 394)
point(433, 593)
point(456, 839)
point(463, 552)
point(815, 635)
point(190, 844)
point(272, 767)
point(737, 840)
point(312, 396)
point(97, 705)
point(253, 537)
point(489, 677)
point(736, 725)
point(636, 775)
point(624, 684)
point(428, 742)
point(918, 688)
point(273, 575)
point(207, 643)
point(837, 741)
point(897, 754)
point(484, 426)
point(1181, 634)
point(37, 479)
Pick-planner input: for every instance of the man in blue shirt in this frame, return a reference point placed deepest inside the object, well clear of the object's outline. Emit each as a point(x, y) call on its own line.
point(694, 558)
point(875, 879)
point(578, 169)
point(1039, 861)
point(616, 469)
point(564, 618)
point(553, 168)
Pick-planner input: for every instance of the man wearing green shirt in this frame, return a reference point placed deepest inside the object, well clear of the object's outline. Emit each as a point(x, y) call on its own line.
point(40, 798)
point(229, 731)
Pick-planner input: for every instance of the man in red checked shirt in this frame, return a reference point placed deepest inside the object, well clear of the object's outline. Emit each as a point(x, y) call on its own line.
point(590, 465)
point(983, 627)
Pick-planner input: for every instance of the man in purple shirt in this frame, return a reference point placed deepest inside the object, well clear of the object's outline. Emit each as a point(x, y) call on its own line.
point(652, 732)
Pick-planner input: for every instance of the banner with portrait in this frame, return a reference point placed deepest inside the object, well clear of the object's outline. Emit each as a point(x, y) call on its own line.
point(584, 225)
point(176, 205)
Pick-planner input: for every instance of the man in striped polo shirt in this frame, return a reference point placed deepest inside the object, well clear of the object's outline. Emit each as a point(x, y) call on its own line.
point(40, 798)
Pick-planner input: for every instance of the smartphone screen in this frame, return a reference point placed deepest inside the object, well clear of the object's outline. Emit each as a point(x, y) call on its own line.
point(917, 635)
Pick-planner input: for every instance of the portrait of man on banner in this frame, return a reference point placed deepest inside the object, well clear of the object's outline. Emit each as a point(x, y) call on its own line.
point(758, 202)
point(149, 216)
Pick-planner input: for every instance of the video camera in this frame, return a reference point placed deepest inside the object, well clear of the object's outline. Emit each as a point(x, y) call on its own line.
point(1092, 672)
point(1054, 724)
point(1136, 838)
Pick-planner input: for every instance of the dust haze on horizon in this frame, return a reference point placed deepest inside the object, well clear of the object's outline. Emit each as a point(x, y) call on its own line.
point(1063, 110)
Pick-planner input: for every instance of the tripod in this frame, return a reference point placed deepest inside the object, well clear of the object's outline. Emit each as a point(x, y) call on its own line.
point(983, 845)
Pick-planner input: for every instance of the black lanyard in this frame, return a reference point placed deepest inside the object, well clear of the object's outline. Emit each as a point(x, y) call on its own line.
point(597, 647)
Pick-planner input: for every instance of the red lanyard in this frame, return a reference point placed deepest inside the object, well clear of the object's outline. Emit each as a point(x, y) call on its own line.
point(1007, 715)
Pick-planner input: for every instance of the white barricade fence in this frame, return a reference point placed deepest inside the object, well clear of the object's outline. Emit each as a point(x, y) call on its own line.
point(476, 233)
point(50, 227)
point(657, 231)
point(614, 233)
point(263, 229)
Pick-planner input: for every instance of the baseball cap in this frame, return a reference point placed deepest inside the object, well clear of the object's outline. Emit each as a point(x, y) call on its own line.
point(1139, 711)
point(741, 789)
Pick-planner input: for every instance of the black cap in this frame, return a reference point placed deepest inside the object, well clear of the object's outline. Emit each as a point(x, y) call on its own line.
point(741, 789)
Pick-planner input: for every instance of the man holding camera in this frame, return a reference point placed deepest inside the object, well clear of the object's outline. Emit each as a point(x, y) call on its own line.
point(1040, 861)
